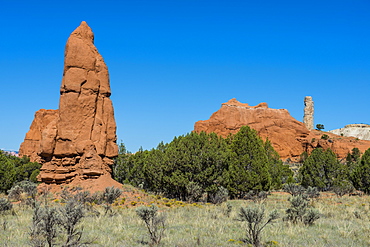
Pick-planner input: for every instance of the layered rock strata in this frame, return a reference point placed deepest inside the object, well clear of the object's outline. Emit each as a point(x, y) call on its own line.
point(78, 141)
point(289, 137)
point(360, 131)
point(308, 113)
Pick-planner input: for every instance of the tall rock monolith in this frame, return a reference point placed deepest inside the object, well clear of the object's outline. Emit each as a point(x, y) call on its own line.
point(308, 112)
point(77, 142)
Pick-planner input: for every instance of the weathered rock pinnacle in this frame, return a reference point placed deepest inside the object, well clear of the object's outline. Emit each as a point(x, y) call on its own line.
point(308, 112)
point(78, 141)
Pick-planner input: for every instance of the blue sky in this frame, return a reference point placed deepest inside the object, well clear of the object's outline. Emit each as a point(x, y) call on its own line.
point(173, 63)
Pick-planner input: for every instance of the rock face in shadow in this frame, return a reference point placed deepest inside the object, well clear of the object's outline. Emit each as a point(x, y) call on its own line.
point(78, 141)
point(289, 137)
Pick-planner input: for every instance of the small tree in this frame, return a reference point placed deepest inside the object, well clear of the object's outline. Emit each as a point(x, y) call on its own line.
point(320, 127)
point(255, 219)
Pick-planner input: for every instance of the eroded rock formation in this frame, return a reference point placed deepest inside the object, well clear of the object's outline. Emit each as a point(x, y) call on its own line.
point(78, 141)
point(289, 137)
point(360, 131)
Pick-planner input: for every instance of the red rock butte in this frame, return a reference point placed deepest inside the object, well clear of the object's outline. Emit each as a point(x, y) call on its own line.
point(289, 137)
point(77, 143)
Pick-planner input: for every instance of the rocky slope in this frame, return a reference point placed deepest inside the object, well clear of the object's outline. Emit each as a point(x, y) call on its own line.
point(289, 137)
point(77, 143)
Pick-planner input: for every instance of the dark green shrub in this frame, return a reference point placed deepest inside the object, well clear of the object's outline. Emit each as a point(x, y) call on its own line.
point(256, 222)
point(325, 137)
point(280, 173)
point(8, 174)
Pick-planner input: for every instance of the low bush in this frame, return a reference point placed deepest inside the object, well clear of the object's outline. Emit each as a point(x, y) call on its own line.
point(256, 222)
point(70, 216)
point(293, 189)
point(300, 211)
point(256, 196)
point(109, 196)
point(5, 205)
point(155, 223)
point(221, 195)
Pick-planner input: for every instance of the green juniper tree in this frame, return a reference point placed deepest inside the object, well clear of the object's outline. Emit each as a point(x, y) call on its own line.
point(248, 164)
point(280, 173)
point(202, 165)
point(320, 126)
point(320, 169)
point(361, 174)
point(14, 169)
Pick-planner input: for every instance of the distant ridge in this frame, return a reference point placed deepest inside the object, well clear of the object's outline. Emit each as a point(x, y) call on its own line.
point(10, 151)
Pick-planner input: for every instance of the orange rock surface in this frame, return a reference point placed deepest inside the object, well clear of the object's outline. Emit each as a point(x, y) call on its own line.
point(289, 137)
point(77, 143)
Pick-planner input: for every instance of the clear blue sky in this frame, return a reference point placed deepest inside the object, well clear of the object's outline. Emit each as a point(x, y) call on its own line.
point(173, 63)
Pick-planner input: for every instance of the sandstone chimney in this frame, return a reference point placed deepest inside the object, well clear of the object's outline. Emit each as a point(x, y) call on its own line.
point(308, 112)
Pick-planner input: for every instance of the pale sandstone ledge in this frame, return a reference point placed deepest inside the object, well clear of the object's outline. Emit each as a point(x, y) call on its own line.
point(360, 131)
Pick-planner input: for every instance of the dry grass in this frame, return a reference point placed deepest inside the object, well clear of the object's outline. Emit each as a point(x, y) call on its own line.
point(344, 222)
